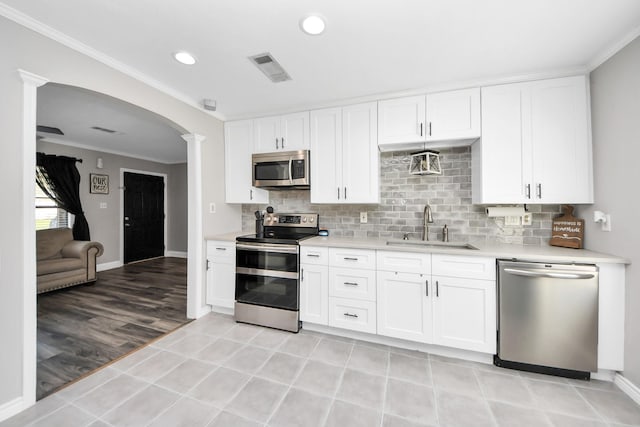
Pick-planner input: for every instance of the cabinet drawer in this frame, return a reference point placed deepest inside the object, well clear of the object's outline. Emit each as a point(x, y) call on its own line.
point(314, 255)
point(406, 262)
point(352, 258)
point(352, 283)
point(222, 252)
point(470, 267)
point(352, 314)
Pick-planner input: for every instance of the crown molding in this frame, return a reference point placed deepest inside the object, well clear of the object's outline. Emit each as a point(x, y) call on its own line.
point(612, 49)
point(58, 36)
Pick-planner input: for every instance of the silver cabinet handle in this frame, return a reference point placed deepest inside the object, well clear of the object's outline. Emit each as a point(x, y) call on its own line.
point(221, 249)
point(345, 193)
point(429, 128)
point(350, 283)
point(208, 264)
point(437, 289)
point(282, 142)
point(338, 193)
point(351, 315)
point(276, 143)
point(313, 255)
point(250, 194)
point(350, 259)
point(550, 274)
point(291, 170)
point(302, 274)
point(427, 283)
point(539, 190)
point(527, 191)
point(420, 129)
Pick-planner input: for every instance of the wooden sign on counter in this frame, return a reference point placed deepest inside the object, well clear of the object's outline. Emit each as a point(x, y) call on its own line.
point(566, 230)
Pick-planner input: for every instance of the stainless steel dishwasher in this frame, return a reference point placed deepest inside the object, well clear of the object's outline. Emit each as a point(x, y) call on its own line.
point(548, 318)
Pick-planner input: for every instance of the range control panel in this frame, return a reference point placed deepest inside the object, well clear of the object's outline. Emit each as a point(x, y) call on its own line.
point(291, 220)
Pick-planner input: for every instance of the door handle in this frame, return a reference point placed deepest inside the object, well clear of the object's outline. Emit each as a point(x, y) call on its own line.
point(427, 287)
point(549, 274)
point(291, 170)
point(276, 143)
point(539, 190)
point(345, 193)
point(437, 289)
point(420, 129)
point(527, 191)
point(429, 128)
point(282, 142)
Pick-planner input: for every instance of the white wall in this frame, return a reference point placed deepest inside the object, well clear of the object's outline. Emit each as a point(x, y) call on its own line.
point(615, 111)
point(32, 52)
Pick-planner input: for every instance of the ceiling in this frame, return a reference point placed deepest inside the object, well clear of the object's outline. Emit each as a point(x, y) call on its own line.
point(371, 48)
point(138, 133)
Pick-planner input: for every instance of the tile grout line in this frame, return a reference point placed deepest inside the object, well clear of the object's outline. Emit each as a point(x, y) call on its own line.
point(386, 386)
point(340, 381)
point(484, 396)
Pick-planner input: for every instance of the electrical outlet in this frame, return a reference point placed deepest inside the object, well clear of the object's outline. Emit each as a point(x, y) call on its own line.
point(527, 218)
point(511, 220)
point(363, 217)
point(103, 205)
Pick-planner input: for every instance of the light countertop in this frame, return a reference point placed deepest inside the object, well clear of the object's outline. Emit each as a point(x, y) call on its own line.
point(495, 250)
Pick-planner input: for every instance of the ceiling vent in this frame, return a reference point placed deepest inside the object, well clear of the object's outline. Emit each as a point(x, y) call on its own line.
point(103, 129)
point(49, 129)
point(270, 67)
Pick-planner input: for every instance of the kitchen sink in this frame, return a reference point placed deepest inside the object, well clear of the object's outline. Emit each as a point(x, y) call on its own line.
point(426, 244)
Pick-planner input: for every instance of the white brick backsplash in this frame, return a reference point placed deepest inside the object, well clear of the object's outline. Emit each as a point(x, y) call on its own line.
point(402, 200)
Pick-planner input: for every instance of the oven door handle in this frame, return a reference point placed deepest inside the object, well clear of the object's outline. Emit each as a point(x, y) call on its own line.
point(267, 247)
point(267, 273)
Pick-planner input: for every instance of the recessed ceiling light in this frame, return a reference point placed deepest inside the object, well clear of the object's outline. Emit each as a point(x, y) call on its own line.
point(184, 58)
point(313, 25)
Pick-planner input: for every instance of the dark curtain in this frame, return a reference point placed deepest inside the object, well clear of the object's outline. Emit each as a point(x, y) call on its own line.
point(59, 178)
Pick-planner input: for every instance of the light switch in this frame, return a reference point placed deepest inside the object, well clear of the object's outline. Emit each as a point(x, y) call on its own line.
point(103, 205)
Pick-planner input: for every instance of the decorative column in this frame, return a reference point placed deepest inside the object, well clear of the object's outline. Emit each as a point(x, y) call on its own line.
point(195, 247)
point(31, 82)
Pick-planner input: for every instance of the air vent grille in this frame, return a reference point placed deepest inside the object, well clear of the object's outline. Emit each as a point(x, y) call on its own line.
point(270, 67)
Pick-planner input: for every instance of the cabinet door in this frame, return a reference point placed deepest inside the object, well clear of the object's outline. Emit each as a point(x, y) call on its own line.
point(561, 147)
point(360, 155)
point(402, 120)
point(498, 174)
point(238, 146)
point(314, 293)
point(294, 131)
point(464, 313)
point(404, 306)
point(453, 115)
point(326, 158)
point(221, 274)
point(266, 134)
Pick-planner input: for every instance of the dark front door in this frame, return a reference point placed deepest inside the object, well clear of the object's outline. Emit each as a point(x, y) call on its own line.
point(143, 216)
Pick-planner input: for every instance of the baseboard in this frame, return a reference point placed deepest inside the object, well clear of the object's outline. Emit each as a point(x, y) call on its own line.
point(629, 388)
point(108, 265)
point(176, 254)
point(11, 408)
point(206, 309)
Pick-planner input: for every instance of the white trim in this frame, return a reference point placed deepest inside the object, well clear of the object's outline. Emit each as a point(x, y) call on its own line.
point(176, 254)
point(108, 266)
point(31, 82)
point(121, 190)
point(11, 408)
point(101, 150)
point(629, 388)
point(612, 49)
point(70, 42)
point(222, 310)
point(196, 306)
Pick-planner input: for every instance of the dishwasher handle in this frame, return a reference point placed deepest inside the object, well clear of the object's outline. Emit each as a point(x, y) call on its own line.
point(550, 274)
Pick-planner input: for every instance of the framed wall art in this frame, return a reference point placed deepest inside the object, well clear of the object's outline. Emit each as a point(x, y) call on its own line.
point(98, 184)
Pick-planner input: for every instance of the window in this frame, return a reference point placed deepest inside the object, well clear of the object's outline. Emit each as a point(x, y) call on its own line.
point(47, 214)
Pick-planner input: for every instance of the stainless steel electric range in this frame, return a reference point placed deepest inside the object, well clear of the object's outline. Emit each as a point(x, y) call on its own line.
point(268, 271)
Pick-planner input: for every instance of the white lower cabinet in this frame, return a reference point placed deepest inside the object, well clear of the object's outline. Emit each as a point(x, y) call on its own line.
point(464, 313)
point(221, 274)
point(314, 285)
point(404, 306)
point(348, 313)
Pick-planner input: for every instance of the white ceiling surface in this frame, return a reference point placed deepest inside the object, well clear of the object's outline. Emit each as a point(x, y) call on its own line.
point(370, 46)
point(140, 133)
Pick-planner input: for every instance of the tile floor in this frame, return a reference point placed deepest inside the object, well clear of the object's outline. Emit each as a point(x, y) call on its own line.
point(214, 372)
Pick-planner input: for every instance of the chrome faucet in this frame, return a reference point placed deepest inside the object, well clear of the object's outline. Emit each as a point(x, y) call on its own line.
point(427, 219)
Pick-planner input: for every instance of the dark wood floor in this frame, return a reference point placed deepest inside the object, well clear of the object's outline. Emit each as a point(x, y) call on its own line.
point(84, 327)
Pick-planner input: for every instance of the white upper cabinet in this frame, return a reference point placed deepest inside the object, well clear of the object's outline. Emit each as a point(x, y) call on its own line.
point(344, 155)
point(536, 145)
point(439, 119)
point(238, 146)
point(282, 133)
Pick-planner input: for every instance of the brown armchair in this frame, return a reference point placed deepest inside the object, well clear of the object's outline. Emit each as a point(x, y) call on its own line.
point(62, 261)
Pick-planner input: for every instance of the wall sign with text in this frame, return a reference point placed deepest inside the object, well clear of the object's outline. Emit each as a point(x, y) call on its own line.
point(98, 184)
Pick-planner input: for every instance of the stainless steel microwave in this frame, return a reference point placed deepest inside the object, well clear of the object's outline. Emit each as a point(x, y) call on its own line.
point(281, 170)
